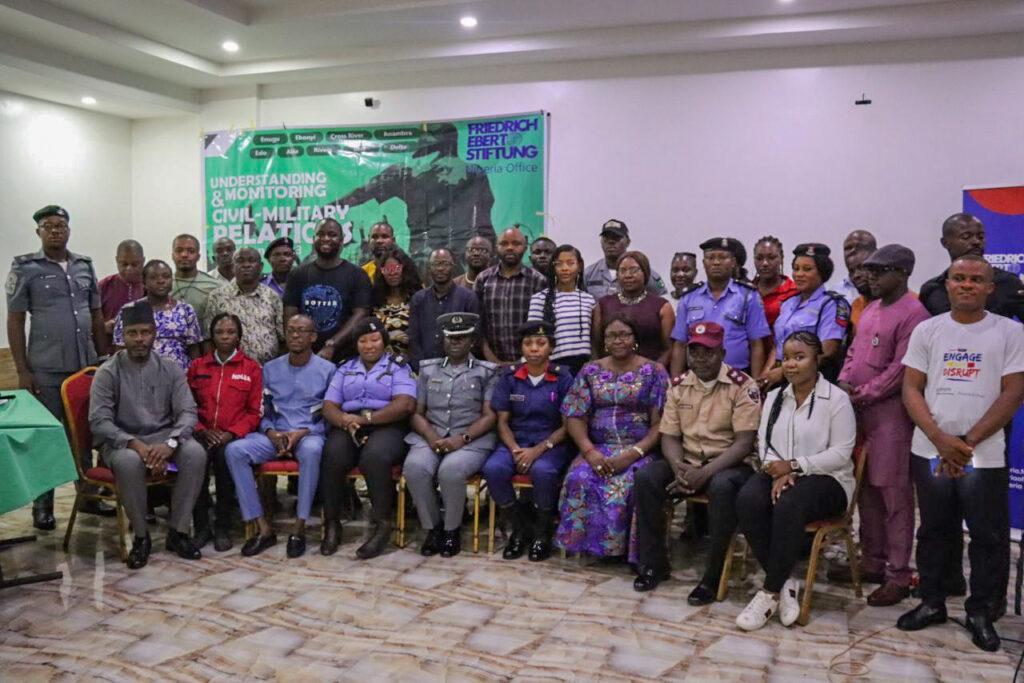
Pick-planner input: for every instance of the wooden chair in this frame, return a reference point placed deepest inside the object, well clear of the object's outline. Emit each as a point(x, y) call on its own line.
point(74, 394)
point(733, 552)
point(476, 482)
point(844, 527)
point(519, 483)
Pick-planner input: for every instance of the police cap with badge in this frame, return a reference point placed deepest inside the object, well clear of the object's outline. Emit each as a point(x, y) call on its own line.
point(458, 324)
point(50, 210)
point(728, 244)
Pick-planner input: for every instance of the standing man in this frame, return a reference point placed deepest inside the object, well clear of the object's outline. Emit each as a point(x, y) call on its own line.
point(873, 376)
point(443, 296)
point(191, 285)
point(600, 278)
point(224, 254)
point(541, 251)
point(479, 252)
point(504, 292)
point(382, 240)
point(334, 293)
point(58, 288)
point(258, 308)
point(122, 287)
point(142, 414)
point(734, 305)
point(857, 246)
point(281, 255)
point(707, 439)
point(963, 383)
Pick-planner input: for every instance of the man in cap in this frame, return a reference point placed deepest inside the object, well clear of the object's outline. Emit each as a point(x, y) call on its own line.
point(541, 251)
point(504, 292)
point(224, 258)
point(452, 432)
point(258, 308)
point(600, 278)
point(732, 304)
point(857, 246)
point(281, 255)
point(58, 288)
point(873, 376)
point(124, 286)
point(137, 438)
point(191, 285)
point(707, 429)
point(382, 240)
point(443, 296)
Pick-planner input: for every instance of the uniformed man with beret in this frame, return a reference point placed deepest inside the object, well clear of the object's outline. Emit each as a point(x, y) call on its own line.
point(452, 432)
point(280, 254)
point(59, 289)
point(728, 302)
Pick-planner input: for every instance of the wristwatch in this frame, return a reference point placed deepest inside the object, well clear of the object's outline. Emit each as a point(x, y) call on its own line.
point(466, 438)
point(548, 445)
point(795, 466)
point(172, 443)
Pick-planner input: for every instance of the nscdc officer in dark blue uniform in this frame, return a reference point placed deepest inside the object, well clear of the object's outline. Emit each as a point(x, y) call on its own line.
point(734, 305)
point(368, 405)
point(528, 399)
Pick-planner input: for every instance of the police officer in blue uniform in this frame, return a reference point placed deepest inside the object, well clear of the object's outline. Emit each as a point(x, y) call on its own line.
point(527, 400)
point(452, 432)
point(368, 405)
point(814, 309)
point(59, 289)
point(731, 303)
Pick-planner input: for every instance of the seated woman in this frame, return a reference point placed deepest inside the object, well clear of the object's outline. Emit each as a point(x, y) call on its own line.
point(806, 439)
point(528, 401)
point(228, 387)
point(654, 316)
point(394, 283)
point(452, 432)
point(367, 404)
point(612, 413)
point(178, 335)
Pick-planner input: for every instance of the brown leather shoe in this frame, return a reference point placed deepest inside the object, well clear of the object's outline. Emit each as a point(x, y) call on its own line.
point(887, 594)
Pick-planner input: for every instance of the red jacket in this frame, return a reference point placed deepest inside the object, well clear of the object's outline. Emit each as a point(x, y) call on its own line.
point(229, 396)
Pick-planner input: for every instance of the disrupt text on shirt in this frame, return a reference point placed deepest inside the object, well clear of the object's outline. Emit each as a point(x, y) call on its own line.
point(961, 365)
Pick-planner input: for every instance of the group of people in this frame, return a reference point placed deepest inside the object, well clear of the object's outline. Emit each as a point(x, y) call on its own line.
point(609, 394)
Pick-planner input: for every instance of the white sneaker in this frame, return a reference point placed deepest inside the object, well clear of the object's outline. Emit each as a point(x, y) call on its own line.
point(789, 602)
point(758, 612)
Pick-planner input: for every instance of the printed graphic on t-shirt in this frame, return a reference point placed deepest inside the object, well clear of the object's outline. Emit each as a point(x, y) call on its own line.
point(324, 305)
point(961, 365)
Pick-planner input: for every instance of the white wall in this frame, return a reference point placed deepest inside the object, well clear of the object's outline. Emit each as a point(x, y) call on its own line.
point(53, 154)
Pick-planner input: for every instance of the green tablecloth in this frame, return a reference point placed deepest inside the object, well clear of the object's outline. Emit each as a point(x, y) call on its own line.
point(34, 452)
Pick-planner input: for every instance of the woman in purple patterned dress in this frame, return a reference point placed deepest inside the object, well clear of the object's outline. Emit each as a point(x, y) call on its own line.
point(612, 411)
point(178, 335)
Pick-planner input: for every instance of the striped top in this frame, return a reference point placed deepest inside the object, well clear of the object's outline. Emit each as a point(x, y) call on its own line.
point(573, 312)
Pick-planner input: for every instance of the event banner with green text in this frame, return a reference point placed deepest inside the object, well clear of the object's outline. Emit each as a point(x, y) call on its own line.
point(436, 183)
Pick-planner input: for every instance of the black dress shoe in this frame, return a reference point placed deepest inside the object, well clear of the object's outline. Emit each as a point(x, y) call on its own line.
point(43, 519)
point(377, 543)
point(257, 544)
point(139, 555)
point(649, 579)
point(332, 538)
point(221, 540)
point(98, 508)
point(451, 542)
point(922, 616)
point(296, 545)
point(516, 546)
point(432, 543)
point(983, 634)
point(701, 595)
point(202, 537)
point(181, 544)
point(540, 549)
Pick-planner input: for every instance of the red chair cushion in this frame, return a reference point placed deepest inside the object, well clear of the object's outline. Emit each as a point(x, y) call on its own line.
point(814, 526)
point(279, 467)
point(104, 474)
point(396, 473)
point(522, 480)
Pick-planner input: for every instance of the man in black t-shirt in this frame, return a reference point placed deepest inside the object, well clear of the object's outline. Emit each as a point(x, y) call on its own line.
point(333, 292)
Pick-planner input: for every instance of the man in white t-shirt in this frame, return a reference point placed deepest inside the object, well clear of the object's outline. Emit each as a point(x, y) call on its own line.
point(964, 381)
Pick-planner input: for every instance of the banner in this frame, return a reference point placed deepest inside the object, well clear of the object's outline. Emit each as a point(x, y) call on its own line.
point(436, 183)
point(1001, 209)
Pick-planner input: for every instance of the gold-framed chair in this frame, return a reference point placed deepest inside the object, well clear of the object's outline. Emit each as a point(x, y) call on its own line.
point(399, 479)
point(735, 551)
point(476, 482)
point(74, 395)
point(519, 483)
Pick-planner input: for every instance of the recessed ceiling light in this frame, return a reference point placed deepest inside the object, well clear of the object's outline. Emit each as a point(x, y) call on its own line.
point(785, 2)
point(229, 46)
point(468, 22)
point(89, 100)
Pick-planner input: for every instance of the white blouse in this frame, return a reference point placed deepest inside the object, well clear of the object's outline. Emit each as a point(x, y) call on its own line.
point(821, 441)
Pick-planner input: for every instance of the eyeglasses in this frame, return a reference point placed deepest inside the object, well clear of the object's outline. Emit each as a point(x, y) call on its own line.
point(393, 269)
point(55, 227)
point(614, 336)
point(630, 271)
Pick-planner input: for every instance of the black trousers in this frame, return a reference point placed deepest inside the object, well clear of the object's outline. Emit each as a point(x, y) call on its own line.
point(384, 449)
point(981, 498)
point(225, 486)
point(776, 532)
point(651, 496)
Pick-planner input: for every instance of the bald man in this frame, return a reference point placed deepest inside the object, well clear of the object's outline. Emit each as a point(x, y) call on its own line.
point(857, 246)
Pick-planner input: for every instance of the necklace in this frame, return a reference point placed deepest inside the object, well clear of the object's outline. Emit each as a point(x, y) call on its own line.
point(632, 300)
point(470, 282)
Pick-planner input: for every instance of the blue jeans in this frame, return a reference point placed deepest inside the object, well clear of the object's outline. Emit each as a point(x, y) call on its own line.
point(256, 449)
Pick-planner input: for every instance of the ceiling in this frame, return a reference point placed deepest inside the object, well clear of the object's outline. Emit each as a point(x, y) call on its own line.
point(142, 58)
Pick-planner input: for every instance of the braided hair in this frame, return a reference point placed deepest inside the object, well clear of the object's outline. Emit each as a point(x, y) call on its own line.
point(770, 239)
point(549, 293)
point(808, 339)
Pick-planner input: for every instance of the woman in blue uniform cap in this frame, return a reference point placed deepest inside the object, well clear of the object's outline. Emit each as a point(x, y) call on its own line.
point(528, 401)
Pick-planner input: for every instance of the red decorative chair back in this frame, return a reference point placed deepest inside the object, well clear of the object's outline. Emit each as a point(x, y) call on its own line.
point(74, 394)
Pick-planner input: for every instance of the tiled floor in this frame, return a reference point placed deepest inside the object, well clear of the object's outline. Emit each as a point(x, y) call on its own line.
point(404, 617)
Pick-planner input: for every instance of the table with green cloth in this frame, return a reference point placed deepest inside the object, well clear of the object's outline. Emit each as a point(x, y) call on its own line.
point(34, 452)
